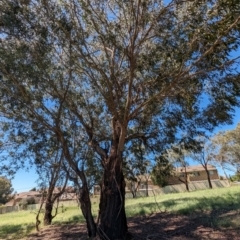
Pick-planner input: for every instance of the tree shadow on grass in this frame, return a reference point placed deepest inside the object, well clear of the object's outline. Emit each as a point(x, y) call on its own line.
point(61, 232)
point(15, 231)
point(193, 219)
point(74, 219)
point(184, 227)
point(187, 205)
point(189, 218)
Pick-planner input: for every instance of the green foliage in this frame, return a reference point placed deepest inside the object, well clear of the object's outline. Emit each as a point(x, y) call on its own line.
point(235, 177)
point(31, 200)
point(226, 148)
point(6, 190)
point(162, 171)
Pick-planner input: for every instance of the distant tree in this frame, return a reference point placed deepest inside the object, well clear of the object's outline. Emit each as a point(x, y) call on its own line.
point(31, 200)
point(202, 153)
point(235, 177)
point(27, 201)
point(177, 155)
point(183, 176)
point(135, 166)
point(226, 149)
point(6, 190)
point(133, 174)
point(147, 175)
point(162, 170)
point(85, 172)
point(48, 159)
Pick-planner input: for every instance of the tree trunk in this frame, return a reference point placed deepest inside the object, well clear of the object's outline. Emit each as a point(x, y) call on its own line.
point(85, 204)
point(186, 180)
point(83, 197)
point(133, 189)
point(209, 179)
point(224, 172)
point(147, 188)
point(113, 222)
point(47, 220)
point(186, 184)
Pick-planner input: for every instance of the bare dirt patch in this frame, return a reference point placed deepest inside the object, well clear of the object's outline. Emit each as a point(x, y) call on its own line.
point(217, 225)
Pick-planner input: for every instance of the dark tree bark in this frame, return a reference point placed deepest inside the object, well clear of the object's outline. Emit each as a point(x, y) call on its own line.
point(85, 202)
point(49, 204)
point(47, 220)
point(85, 205)
point(147, 187)
point(113, 222)
point(147, 179)
point(133, 189)
point(208, 178)
point(51, 199)
point(38, 222)
point(185, 181)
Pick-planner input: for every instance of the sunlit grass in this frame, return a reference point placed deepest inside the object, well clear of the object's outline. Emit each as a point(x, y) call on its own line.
point(185, 203)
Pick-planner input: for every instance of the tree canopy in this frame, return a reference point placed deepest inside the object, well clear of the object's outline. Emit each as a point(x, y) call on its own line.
point(118, 71)
point(6, 190)
point(162, 171)
point(226, 148)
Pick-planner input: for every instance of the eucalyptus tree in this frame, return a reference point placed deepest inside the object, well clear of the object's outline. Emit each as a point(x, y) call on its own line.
point(136, 163)
point(85, 172)
point(177, 155)
point(89, 170)
point(52, 177)
point(162, 170)
point(115, 65)
point(39, 147)
point(39, 108)
point(133, 173)
point(226, 149)
point(202, 152)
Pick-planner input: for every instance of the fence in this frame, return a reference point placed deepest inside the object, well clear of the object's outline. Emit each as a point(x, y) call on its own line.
point(8, 209)
point(34, 207)
point(68, 203)
point(193, 186)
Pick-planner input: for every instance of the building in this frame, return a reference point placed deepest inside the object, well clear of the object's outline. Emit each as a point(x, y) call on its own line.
point(145, 184)
point(68, 195)
point(18, 197)
point(194, 173)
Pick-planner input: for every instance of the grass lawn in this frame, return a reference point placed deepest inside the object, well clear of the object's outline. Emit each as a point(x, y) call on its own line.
point(17, 225)
point(186, 203)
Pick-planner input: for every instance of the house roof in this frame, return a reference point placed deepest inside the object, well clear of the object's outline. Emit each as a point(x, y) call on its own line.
point(10, 203)
point(27, 194)
point(23, 195)
point(68, 189)
point(195, 168)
